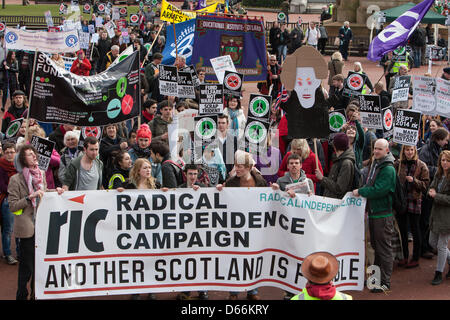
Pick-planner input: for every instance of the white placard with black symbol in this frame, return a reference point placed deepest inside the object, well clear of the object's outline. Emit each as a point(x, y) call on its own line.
point(211, 99)
point(406, 127)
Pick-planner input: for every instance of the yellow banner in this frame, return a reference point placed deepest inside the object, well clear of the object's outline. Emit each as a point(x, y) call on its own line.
point(172, 14)
point(210, 2)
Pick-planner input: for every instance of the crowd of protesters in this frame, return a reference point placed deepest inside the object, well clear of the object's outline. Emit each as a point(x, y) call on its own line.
point(135, 154)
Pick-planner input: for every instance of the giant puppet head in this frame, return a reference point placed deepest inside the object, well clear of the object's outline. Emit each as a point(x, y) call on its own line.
point(302, 72)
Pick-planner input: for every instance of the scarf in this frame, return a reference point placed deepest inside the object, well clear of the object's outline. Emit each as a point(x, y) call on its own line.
point(234, 121)
point(321, 291)
point(141, 153)
point(149, 117)
point(34, 180)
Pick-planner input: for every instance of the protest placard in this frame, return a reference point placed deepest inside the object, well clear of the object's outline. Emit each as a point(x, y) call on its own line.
point(337, 120)
point(443, 97)
point(370, 111)
point(259, 106)
point(168, 80)
point(222, 64)
point(400, 92)
point(139, 241)
point(211, 99)
point(424, 95)
point(185, 85)
point(406, 127)
point(232, 83)
point(191, 69)
point(44, 149)
point(387, 116)
point(354, 84)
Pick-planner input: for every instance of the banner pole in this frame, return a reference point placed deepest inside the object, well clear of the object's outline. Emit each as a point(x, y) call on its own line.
point(175, 39)
point(150, 49)
point(31, 92)
point(315, 151)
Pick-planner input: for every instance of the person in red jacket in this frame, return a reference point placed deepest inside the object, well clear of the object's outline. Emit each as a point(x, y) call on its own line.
point(301, 147)
point(81, 66)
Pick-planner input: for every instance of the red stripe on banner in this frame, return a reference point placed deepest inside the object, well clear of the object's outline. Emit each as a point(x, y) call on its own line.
point(184, 253)
point(184, 285)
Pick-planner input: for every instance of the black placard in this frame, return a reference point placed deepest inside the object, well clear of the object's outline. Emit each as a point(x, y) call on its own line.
point(211, 99)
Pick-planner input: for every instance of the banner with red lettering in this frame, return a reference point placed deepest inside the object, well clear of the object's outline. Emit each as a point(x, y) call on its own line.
point(91, 243)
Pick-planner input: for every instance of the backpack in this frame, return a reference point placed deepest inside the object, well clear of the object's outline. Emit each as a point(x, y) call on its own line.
point(179, 166)
point(357, 176)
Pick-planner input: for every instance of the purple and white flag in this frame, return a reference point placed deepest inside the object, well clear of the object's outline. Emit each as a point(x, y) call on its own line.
point(397, 33)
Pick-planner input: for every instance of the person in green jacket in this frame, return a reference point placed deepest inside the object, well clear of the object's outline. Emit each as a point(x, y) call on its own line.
point(379, 190)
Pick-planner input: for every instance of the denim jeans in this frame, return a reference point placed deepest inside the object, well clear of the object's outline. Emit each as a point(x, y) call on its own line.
point(417, 56)
point(439, 241)
point(282, 52)
point(7, 227)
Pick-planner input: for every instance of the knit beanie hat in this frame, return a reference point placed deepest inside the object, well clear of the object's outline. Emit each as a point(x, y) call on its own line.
point(340, 141)
point(144, 132)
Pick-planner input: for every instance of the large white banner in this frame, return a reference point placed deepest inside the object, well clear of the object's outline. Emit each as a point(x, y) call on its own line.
point(53, 42)
point(105, 242)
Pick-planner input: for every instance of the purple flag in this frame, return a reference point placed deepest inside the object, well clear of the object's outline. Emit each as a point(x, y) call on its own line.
point(397, 33)
point(201, 4)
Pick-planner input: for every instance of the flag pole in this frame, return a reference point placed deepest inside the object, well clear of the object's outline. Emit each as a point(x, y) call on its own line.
point(149, 49)
point(31, 92)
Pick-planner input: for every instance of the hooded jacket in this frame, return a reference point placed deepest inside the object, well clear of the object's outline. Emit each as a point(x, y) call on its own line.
point(340, 178)
point(440, 217)
point(380, 187)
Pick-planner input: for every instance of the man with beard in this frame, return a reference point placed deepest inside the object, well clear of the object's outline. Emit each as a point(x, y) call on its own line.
point(16, 110)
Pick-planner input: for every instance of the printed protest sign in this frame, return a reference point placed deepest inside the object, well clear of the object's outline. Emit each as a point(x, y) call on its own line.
point(443, 97)
point(211, 99)
point(185, 85)
point(232, 83)
point(195, 79)
point(139, 241)
point(85, 132)
point(370, 111)
point(337, 120)
point(255, 133)
point(401, 88)
point(13, 128)
point(87, 8)
point(259, 107)
point(301, 187)
point(59, 96)
point(134, 20)
point(354, 84)
point(387, 116)
point(222, 64)
point(424, 95)
point(406, 127)
point(44, 149)
point(168, 80)
point(84, 39)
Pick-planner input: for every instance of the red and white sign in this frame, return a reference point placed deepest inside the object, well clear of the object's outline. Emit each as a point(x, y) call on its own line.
point(2, 27)
point(355, 82)
point(95, 132)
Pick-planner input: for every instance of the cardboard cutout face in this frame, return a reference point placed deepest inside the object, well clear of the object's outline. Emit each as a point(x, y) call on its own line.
point(306, 84)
